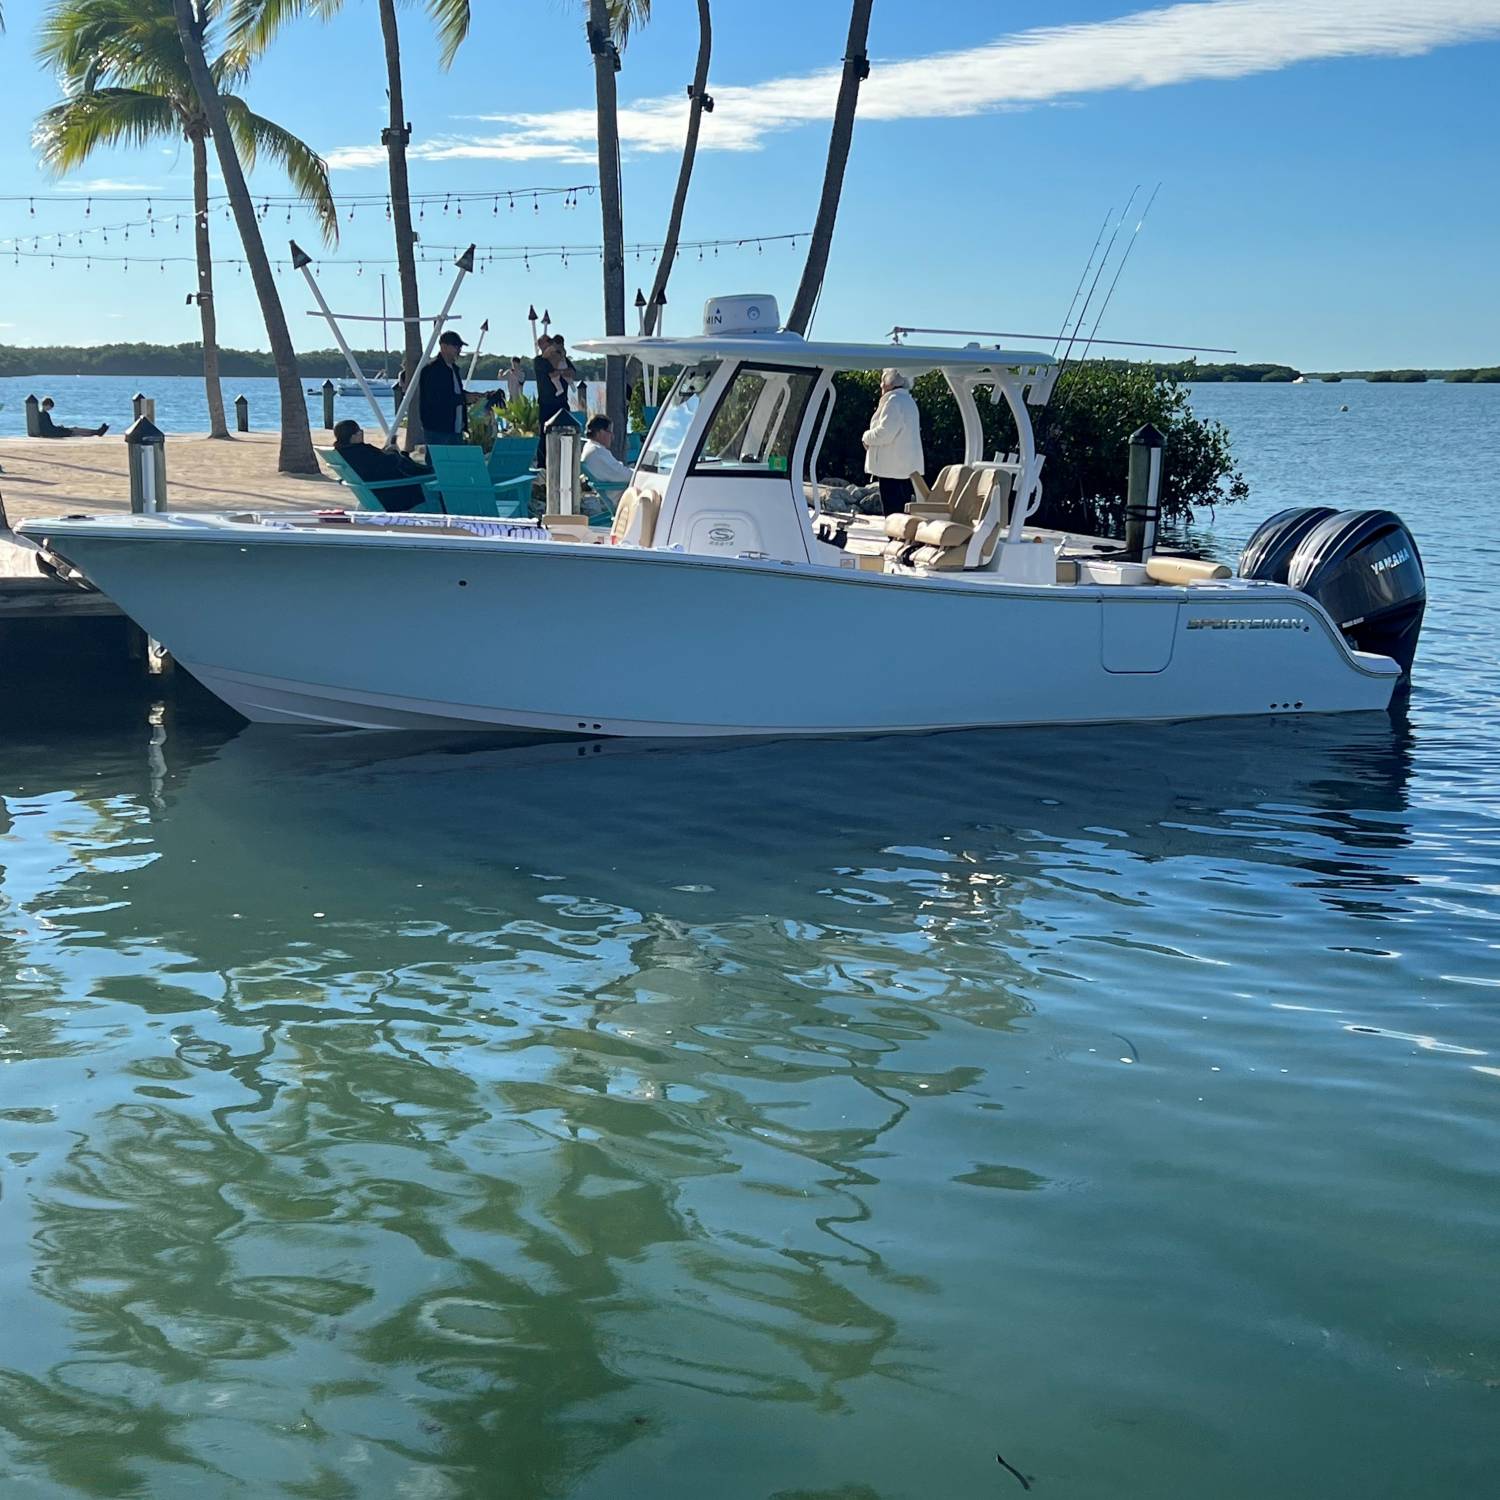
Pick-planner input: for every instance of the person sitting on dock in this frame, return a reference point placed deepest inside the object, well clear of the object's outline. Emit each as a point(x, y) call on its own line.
point(893, 445)
point(441, 397)
point(47, 428)
point(374, 464)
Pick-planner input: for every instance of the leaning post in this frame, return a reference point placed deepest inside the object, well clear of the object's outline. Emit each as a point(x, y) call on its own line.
point(33, 416)
point(146, 445)
point(1143, 494)
point(242, 414)
point(328, 404)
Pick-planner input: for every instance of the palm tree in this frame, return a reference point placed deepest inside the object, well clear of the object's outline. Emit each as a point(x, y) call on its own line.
point(698, 101)
point(296, 456)
point(127, 83)
point(608, 31)
point(856, 70)
point(256, 22)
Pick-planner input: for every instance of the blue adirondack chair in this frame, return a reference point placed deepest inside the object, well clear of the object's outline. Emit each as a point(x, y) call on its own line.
point(510, 471)
point(462, 480)
point(633, 443)
point(367, 492)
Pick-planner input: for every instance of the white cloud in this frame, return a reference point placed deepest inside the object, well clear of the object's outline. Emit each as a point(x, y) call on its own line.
point(104, 185)
point(1213, 39)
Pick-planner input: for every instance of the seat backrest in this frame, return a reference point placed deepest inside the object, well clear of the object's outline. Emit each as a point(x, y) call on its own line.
point(346, 476)
point(510, 457)
point(462, 479)
point(635, 518)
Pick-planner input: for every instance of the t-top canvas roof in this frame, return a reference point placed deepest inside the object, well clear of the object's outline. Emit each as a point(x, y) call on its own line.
point(793, 349)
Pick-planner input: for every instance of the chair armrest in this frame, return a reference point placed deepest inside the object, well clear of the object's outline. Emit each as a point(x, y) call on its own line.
point(501, 485)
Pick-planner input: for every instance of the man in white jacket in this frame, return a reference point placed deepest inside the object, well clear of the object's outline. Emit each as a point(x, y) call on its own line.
point(893, 445)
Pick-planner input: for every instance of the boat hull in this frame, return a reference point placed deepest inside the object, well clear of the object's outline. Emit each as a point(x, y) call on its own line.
point(336, 628)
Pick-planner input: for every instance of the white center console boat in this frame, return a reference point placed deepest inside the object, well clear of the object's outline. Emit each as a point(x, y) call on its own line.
point(725, 602)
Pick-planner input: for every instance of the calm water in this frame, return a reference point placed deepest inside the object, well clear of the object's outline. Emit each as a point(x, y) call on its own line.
point(397, 1118)
point(87, 400)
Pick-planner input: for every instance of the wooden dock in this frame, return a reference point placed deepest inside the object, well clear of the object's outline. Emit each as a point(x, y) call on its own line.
point(29, 592)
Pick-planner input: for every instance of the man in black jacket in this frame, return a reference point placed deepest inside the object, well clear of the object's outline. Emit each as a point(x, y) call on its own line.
point(375, 464)
point(441, 397)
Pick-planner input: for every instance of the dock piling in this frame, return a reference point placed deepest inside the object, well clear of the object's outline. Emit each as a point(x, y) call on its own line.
point(33, 416)
point(242, 414)
point(328, 404)
point(146, 445)
point(142, 405)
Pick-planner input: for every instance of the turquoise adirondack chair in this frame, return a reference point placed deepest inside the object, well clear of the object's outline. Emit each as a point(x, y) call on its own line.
point(367, 492)
point(462, 480)
point(510, 471)
point(633, 444)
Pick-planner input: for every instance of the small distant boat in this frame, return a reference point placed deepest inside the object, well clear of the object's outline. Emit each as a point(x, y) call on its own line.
point(380, 385)
point(1344, 407)
point(1300, 380)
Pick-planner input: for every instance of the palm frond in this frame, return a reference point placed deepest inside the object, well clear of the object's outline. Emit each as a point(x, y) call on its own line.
point(625, 14)
point(255, 136)
point(70, 132)
point(253, 24)
point(451, 18)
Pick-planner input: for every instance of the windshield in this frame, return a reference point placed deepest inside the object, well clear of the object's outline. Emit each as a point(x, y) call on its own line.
point(675, 419)
point(755, 426)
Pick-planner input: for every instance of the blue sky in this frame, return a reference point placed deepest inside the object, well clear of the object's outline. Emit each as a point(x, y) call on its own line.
point(1328, 171)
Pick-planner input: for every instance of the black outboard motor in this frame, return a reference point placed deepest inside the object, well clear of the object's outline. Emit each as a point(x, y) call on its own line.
point(1268, 553)
point(1363, 567)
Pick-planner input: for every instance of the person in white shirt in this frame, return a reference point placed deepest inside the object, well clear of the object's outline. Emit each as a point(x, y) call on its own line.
point(893, 445)
point(515, 379)
point(597, 461)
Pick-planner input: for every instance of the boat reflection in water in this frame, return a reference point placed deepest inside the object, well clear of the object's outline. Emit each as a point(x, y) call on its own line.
point(569, 1111)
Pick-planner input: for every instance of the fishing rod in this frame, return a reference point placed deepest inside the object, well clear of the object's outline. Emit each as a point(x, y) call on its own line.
point(1135, 234)
point(1077, 290)
point(1094, 285)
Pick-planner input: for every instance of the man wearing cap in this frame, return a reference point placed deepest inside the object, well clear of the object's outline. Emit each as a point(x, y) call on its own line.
point(441, 397)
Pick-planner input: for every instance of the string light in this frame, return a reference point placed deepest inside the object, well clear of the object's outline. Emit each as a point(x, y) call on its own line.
point(435, 255)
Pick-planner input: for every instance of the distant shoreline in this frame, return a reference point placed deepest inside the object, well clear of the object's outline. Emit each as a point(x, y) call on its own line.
point(143, 361)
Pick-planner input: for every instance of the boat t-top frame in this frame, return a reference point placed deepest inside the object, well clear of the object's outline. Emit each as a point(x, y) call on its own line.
point(755, 499)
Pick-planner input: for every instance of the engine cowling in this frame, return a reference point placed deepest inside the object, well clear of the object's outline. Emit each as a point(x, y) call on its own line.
point(1269, 551)
point(1364, 568)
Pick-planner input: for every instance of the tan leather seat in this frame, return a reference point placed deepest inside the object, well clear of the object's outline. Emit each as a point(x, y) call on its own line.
point(902, 527)
point(635, 518)
point(943, 495)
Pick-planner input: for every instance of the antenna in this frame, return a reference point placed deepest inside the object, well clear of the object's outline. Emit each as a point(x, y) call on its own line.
point(1094, 285)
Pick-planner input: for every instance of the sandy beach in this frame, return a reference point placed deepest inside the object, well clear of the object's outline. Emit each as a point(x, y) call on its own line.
point(51, 476)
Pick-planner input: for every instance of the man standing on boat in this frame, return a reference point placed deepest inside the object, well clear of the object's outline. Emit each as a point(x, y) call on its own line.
point(893, 445)
point(441, 397)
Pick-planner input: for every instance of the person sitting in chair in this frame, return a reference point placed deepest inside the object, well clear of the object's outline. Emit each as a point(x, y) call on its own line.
point(375, 464)
point(597, 459)
point(47, 428)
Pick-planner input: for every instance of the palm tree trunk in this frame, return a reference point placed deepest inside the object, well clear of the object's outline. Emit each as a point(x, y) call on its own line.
point(685, 171)
point(856, 68)
point(296, 456)
point(217, 427)
point(613, 257)
point(396, 138)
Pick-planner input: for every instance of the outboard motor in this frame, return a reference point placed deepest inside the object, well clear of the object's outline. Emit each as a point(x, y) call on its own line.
point(1363, 567)
point(1268, 553)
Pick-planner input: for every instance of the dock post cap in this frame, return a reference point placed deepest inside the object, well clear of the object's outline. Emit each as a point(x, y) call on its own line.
point(143, 431)
point(1147, 436)
point(300, 257)
point(328, 385)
